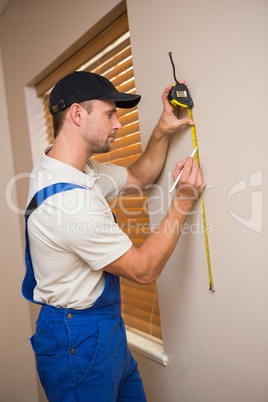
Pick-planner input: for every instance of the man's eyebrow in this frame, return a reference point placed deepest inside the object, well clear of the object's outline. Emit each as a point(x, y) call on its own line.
point(113, 110)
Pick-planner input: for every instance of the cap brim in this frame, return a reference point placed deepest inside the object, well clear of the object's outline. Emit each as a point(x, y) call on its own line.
point(122, 100)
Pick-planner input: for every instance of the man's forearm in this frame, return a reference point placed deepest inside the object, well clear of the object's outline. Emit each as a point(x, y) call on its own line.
point(144, 264)
point(161, 243)
point(150, 164)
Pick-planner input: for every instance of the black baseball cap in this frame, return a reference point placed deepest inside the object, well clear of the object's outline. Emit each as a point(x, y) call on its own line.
point(81, 86)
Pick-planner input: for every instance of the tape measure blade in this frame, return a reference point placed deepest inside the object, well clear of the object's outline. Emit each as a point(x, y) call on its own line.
point(211, 284)
point(194, 136)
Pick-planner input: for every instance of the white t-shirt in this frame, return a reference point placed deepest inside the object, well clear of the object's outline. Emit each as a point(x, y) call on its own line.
point(72, 235)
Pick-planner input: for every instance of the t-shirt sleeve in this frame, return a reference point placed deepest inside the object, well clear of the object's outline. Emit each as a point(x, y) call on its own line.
point(91, 233)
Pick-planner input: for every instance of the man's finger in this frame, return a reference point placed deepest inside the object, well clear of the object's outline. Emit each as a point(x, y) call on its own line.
point(178, 168)
point(185, 122)
point(187, 169)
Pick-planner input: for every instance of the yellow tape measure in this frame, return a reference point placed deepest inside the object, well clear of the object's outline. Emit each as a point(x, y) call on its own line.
point(211, 284)
point(176, 103)
point(180, 96)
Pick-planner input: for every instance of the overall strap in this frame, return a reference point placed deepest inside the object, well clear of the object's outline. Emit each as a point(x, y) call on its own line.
point(29, 281)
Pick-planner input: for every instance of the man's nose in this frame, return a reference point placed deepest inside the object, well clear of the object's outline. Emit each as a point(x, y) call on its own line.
point(117, 124)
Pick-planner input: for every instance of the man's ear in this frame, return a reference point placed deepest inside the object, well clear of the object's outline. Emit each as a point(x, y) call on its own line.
point(76, 112)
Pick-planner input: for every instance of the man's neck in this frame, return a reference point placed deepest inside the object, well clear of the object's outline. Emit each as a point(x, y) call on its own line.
point(71, 154)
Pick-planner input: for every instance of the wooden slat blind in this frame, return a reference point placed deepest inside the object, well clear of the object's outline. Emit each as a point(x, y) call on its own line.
point(140, 309)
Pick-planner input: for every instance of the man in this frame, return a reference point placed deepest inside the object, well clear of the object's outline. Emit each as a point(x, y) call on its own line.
point(75, 251)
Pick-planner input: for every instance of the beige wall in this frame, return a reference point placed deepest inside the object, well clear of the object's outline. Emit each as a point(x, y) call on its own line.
point(216, 343)
point(17, 365)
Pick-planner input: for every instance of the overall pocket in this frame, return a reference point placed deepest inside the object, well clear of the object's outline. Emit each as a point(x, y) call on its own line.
point(46, 354)
point(85, 342)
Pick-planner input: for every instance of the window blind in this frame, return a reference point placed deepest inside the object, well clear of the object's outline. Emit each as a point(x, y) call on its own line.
point(140, 309)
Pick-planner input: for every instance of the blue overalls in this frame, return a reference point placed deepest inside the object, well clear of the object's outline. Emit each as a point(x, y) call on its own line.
point(82, 355)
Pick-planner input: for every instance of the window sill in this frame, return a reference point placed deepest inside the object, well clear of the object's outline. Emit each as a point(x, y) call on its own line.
point(146, 347)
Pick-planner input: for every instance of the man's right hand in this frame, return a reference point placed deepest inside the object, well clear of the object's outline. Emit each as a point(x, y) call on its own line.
point(191, 184)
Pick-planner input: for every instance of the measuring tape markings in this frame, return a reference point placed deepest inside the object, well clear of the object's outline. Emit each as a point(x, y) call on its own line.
point(211, 284)
point(179, 96)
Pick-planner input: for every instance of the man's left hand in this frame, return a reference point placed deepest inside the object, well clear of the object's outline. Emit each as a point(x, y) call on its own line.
point(169, 120)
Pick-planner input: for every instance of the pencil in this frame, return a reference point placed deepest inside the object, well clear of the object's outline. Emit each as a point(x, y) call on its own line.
point(178, 178)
